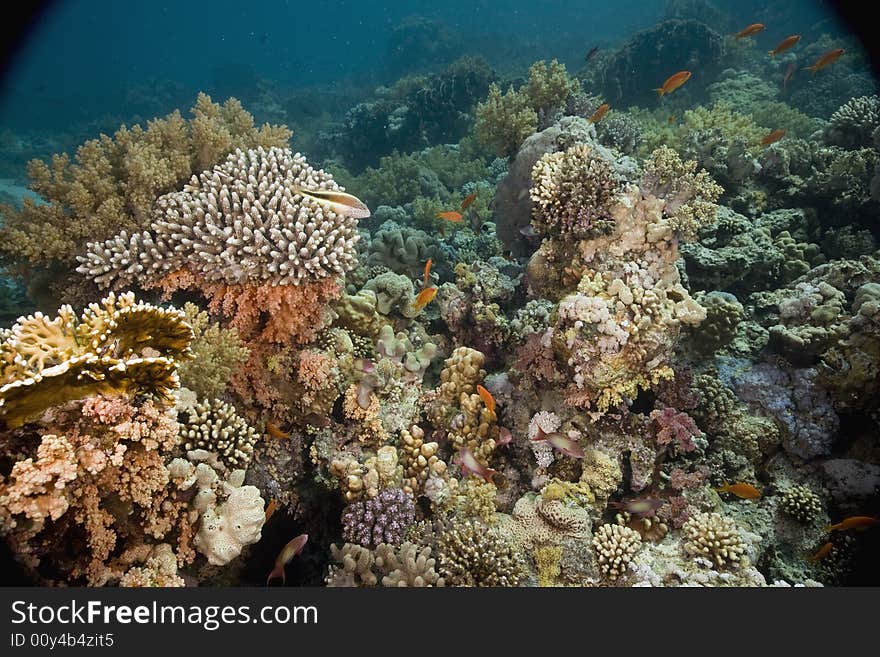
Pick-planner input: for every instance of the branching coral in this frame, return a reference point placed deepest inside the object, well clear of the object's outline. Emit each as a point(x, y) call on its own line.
point(690, 195)
point(407, 565)
point(117, 346)
point(549, 86)
point(214, 426)
point(504, 121)
point(801, 503)
point(853, 125)
point(471, 554)
point(112, 185)
point(573, 191)
point(615, 546)
point(216, 353)
point(381, 519)
point(95, 487)
point(716, 538)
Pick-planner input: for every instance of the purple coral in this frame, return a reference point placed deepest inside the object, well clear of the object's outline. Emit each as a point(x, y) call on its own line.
point(382, 519)
point(674, 427)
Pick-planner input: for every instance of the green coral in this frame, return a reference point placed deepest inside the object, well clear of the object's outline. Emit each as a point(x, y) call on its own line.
point(503, 121)
point(549, 85)
point(217, 352)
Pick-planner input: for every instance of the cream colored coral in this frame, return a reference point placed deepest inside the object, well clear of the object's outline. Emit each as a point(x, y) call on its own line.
point(548, 522)
point(213, 425)
point(159, 570)
point(419, 459)
point(245, 221)
point(714, 537)
point(408, 565)
point(231, 515)
point(615, 546)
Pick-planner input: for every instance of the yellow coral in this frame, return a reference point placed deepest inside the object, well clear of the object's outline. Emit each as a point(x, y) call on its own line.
point(115, 347)
point(114, 181)
point(504, 121)
point(216, 353)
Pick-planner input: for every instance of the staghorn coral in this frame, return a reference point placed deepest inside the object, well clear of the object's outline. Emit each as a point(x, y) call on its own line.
point(573, 191)
point(615, 546)
point(117, 346)
point(381, 519)
point(216, 351)
point(471, 554)
point(214, 426)
point(114, 181)
point(716, 538)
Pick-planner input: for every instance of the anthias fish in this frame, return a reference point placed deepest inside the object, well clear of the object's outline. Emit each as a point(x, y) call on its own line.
point(450, 215)
point(560, 442)
point(469, 463)
point(772, 138)
point(505, 437)
point(466, 203)
point(288, 552)
point(853, 522)
point(638, 507)
point(826, 60)
point(425, 297)
point(822, 552)
point(741, 489)
point(341, 203)
point(751, 30)
point(428, 270)
point(673, 82)
point(599, 113)
point(487, 398)
point(789, 73)
point(785, 44)
point(275, 431)
point(271, 508)
point(591, 53)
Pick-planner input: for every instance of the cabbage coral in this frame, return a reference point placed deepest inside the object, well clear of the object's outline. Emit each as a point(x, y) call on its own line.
point(117, 346)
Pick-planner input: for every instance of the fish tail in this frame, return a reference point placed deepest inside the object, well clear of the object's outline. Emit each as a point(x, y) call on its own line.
point(811, 69)
point(829, 529)
point(660, 92)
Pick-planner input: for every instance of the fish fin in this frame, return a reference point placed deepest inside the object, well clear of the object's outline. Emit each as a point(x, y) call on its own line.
point(811, 69)
point(660, 92)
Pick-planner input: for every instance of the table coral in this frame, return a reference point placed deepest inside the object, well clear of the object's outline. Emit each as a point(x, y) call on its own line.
point(116, 346)
point(114, 181)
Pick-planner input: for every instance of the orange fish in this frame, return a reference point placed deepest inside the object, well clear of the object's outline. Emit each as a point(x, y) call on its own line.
point(451, 215)
point(752, 29)
point(427, 270)
point(742, 490)
point(599, 113)
point(826, 60)
point(275, 431)
point(673, 82)
point(773, 137)
point(785, 44)
point(853, 522)
point(271, 507)
point(466, 203)
point(425, 297)
point(487, 398)
point(288, 552)
point(823, 552)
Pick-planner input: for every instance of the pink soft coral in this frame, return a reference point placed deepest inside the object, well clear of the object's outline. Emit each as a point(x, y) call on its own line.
point(675, 428)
